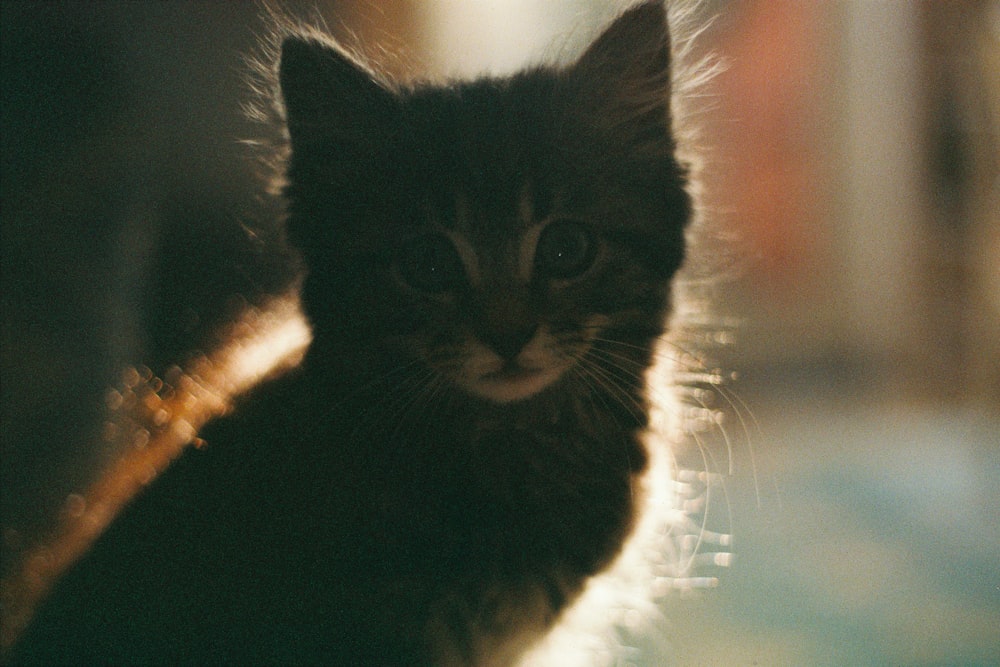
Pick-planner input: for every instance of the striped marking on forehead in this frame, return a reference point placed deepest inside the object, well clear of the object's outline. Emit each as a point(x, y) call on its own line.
point(530, 229)
point(493, 244)
point(493, 224)
point(467, 218)
point(526, 206)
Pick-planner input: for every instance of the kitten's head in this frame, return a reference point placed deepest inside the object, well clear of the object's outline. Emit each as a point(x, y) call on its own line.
point(499, 235)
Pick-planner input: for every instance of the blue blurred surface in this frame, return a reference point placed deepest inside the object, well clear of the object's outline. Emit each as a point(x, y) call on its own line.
point(870, 535)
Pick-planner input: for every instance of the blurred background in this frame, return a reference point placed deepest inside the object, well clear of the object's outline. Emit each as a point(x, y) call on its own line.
point(852, 154)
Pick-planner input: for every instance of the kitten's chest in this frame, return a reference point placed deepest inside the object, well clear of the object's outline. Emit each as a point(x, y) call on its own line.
point(489, 485)
point(471, 514)
point(493, 524)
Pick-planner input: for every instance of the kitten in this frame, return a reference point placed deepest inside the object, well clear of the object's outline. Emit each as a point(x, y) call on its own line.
point(488, 270)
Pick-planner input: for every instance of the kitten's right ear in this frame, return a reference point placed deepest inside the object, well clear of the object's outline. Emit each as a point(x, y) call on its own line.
point(623, 78)
point(327, 94)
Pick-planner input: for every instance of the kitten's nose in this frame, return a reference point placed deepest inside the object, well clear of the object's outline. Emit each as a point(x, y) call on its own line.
point(509, 341)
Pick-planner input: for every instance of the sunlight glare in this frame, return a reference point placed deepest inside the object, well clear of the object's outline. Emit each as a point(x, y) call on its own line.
point(150, 422)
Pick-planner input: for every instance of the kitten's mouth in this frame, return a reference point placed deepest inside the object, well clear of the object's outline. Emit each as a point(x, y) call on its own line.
point(512, 372)
point(513, 382)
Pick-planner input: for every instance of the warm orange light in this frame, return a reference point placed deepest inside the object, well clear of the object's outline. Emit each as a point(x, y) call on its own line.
point(151, 421)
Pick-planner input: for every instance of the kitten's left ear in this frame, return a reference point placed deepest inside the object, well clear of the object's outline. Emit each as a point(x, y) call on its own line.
point(330, 95)
point(624, 76)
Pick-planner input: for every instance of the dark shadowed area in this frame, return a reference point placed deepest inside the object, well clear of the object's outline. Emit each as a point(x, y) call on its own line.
point(126, 198)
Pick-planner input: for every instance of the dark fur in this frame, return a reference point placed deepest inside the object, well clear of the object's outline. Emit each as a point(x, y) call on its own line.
point(363, 509)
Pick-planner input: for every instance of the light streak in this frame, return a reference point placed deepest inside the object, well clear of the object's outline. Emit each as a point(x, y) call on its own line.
point(151, 421)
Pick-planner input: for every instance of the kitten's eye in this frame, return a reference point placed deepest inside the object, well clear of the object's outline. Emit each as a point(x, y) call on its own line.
point(566, 249)
point(430, 264)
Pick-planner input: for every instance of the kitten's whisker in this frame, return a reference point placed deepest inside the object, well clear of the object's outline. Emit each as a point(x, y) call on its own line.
point(712, 378)
point(596, 384)
point(704, 451)
point(618, 361)
point(737, 406)
point(421, 405)
point(706, 456)
point(406, 397)
point(350, 398)
point(621, 361)
point(389, 401)
point(607, 379)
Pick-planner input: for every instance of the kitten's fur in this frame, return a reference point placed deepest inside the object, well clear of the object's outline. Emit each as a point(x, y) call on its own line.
point(488, 270)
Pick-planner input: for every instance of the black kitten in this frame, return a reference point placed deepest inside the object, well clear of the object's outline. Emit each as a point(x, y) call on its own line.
point(488, 269)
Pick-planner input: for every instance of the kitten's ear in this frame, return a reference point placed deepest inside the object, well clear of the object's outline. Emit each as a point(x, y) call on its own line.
point(624, 76)
point(327, 94)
